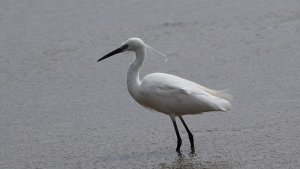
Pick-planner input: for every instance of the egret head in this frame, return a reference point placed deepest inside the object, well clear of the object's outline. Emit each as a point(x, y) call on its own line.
point(130, 45)
point(133, 44)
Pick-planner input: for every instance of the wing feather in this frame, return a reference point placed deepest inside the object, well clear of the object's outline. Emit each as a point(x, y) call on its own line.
point(169, 93)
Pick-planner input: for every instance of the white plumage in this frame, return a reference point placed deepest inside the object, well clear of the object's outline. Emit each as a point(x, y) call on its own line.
point(167, 93)
point(170, 94)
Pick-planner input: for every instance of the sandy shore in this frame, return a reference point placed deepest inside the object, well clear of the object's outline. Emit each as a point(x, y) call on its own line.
point(59, 108)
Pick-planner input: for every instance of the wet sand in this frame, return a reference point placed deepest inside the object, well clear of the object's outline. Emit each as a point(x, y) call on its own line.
point(59, 108)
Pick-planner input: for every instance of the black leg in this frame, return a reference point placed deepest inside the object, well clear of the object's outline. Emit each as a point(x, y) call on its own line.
point(189, 133)
point(177, 134)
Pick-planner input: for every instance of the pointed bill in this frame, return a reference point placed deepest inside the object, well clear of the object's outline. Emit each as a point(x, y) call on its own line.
point(119, 50)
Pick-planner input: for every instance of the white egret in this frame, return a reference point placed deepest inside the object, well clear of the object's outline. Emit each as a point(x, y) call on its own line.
point(169, 94)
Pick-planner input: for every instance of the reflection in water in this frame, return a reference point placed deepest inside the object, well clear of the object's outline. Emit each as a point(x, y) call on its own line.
point(191, 162)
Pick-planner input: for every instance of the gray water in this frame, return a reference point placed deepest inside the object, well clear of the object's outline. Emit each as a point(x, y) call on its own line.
point(62, 109)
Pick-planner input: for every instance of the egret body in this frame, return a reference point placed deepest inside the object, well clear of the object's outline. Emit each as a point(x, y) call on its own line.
point(169, 94)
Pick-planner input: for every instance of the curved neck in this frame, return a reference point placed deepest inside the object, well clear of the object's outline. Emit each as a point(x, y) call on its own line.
point(133, 79)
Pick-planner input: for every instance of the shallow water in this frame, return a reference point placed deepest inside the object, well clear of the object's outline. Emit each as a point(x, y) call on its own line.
point(62, 109)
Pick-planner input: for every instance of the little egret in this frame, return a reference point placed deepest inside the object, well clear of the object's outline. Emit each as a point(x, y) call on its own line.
point(169, 94)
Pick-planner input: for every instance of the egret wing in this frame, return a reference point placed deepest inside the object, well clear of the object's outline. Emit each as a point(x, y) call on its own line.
point(172, 94)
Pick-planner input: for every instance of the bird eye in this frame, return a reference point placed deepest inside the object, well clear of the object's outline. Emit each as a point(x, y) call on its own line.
point(124, 46)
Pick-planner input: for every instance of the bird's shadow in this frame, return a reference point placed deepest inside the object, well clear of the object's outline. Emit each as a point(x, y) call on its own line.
point(192, 162)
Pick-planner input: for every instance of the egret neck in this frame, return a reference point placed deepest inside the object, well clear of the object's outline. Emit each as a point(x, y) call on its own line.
point(133, 78)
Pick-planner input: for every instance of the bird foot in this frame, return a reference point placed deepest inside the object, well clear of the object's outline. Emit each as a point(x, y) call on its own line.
point(192, 151)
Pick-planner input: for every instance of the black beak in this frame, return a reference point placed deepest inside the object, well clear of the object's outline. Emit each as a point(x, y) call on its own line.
point(119, 50)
